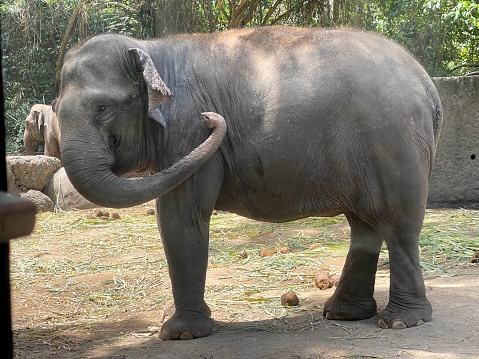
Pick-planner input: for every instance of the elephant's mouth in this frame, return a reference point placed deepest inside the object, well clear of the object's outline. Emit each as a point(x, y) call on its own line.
point(142, 171)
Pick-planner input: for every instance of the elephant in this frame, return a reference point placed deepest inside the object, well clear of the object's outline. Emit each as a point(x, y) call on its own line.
point(42, 125)
point(294, 123)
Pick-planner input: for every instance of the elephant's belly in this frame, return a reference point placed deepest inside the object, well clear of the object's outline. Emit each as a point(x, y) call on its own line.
point(272, 205)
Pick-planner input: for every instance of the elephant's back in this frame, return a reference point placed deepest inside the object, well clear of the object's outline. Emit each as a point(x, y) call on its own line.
point(333, 104)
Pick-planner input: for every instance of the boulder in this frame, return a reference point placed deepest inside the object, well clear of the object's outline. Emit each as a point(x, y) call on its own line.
point(64, 195)
point(32, 172)
point(11, 185)
point(41, 200)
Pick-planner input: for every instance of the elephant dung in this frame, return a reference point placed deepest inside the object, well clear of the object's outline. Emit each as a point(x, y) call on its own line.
point(475, 257)
point(335, 280)
point(272, 252)
point(102, 214)
point(322, 279)
point(289, 299)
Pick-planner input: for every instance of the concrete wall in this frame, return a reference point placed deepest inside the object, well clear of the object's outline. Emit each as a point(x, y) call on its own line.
point(455, 178)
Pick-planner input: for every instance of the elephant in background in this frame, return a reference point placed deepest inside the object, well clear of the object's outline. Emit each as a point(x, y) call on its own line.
point(301, 122)
point(42, 125)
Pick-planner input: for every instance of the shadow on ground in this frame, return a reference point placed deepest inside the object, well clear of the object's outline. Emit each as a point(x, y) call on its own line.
point(305, 334)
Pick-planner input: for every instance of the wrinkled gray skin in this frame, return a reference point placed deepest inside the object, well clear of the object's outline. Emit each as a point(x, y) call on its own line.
point(42, 125)
point(319, 122)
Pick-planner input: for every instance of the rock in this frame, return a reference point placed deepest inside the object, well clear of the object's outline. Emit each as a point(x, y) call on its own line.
point(41, 200)
point(64, 195)
point(11, 185)
point(32, 172)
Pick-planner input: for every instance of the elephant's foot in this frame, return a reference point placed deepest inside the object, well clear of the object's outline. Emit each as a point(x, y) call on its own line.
point(344, 306)
point(189, 324)
point(404, 316)
point(177, 328)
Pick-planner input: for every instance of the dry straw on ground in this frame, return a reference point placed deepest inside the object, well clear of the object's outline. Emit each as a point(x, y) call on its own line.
point(79, 274)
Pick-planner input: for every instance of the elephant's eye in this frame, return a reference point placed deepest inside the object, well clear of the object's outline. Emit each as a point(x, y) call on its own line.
point(104, 113)
point(114, 140)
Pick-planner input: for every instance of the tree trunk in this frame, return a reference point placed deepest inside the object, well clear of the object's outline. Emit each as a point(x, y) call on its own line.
point(66, 36)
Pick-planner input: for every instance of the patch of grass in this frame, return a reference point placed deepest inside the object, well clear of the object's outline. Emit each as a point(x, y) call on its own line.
point(448, 236)
point(90, 267)
point(78, 268)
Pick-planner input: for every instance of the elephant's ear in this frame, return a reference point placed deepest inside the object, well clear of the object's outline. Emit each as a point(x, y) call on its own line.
point(54, 105)
point(157, 89)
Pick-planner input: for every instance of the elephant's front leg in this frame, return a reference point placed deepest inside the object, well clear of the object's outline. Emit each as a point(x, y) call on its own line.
point(183, 218)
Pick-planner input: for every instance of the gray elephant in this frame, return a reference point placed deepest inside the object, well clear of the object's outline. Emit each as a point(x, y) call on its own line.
point(42, 125)
point(313, 123)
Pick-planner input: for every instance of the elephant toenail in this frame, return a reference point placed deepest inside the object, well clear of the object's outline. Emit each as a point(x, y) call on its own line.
point(329, 316)
point(186, 335)
point(420, 322)
point(382, 324)
point(164, 335)
point(398, 324)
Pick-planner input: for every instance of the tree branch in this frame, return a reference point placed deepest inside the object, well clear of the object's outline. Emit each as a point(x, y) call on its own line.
point(283, 15)
point(221, 5)
point(271, 11)
point(252, 9)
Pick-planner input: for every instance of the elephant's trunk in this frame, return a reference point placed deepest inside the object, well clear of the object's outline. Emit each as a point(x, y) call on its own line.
point(94, 179)
point(29, 143)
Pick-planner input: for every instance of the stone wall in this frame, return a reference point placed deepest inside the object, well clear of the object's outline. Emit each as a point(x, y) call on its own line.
point(42, 180)
point(455, 177)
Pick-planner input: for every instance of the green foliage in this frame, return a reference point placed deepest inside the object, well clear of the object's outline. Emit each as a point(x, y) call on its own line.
point(442, 34)
point(29, 48)
point(462, 52)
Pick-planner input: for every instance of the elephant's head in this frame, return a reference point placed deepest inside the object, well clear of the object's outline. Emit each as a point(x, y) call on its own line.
point(34, 126)
point(111, 124)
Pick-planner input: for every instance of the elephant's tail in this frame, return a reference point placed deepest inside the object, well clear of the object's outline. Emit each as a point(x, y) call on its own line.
point(437, 112)
point(437, 121)
point(437, 118)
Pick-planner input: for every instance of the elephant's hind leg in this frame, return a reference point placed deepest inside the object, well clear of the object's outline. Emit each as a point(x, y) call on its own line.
point(353, 298)
point(408, 305)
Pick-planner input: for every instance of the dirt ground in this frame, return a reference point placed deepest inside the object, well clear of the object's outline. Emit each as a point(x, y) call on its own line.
point(50, 302)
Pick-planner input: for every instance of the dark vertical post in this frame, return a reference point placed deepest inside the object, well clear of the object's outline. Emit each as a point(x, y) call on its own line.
point(5, 306)
point(5, 309)
point(17, 218)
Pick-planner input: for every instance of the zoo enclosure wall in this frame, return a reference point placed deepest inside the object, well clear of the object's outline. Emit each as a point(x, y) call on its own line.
point(455, 177)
